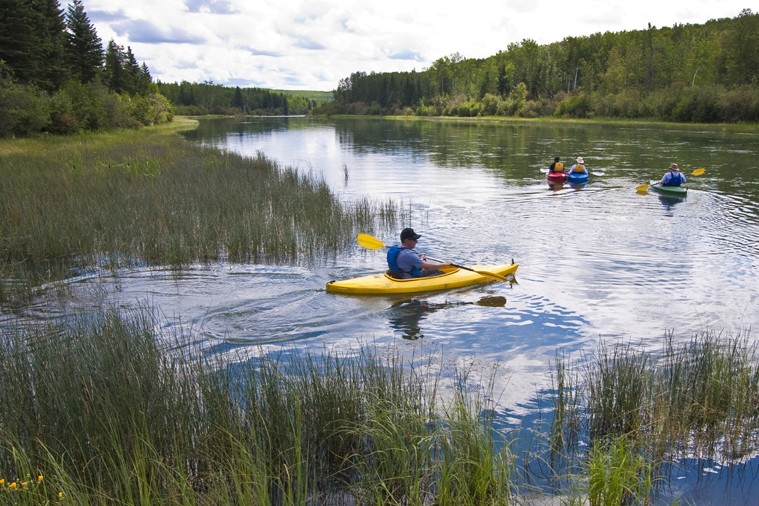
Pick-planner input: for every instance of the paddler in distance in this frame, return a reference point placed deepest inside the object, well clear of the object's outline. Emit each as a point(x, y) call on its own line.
point(673, 177)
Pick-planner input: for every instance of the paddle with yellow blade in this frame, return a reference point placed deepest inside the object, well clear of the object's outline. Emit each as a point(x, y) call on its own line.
point(371, 242)
point(643, 188)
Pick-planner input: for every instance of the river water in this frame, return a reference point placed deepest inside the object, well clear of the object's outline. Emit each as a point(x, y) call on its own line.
point(600, 262)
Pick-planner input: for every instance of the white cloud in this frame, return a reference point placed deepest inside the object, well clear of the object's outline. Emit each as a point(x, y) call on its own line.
point(301, 44)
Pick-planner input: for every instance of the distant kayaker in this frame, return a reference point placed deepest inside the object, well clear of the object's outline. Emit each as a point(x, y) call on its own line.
point(578, 167)
point(556, 166)
point(404, 262)
point(673, 177)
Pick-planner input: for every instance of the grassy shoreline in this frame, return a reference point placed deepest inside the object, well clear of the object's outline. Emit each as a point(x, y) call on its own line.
point(104, 407)
point(731, 127)
point(151, 197)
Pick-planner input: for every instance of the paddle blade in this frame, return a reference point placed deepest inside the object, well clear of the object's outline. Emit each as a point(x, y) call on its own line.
point(492, 301)
point(369, 241)
point(643, 188)
point(698, 171)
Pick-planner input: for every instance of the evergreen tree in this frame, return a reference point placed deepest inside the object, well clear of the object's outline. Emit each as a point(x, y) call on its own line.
point(53, 70)
point(85, 49)
point(144, 81)
point(131, 71)
point(29, 38)
point(115, 76)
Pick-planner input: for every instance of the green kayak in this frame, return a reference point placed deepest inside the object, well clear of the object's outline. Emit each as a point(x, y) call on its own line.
point(670, 191)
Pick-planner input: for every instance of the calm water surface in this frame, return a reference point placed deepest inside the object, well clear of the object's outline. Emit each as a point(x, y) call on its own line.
point(597, 262)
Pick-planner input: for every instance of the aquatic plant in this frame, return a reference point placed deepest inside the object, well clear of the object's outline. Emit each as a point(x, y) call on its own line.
point(150, 197)
point(116, 412)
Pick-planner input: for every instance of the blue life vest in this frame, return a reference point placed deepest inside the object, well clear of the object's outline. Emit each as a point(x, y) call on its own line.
point(392, 262)
point(675, 180)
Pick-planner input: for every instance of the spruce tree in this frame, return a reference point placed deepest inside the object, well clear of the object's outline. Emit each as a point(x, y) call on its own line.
point(115, 73)
point(54, 70)
point(22, 41)
point(85, 50)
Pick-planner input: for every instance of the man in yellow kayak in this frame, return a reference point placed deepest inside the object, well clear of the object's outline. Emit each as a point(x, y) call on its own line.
point(404, 262)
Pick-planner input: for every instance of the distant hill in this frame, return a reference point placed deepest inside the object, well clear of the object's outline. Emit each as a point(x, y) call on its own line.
point(316, 96)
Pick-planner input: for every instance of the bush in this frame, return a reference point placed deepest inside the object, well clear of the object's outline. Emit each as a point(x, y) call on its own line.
point(24, 110)
point(63, 120)
point(740, 104)
point(575, 106)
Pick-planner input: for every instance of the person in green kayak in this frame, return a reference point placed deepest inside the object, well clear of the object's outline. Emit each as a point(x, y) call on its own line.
point(404, 262)
point(578, 167)
point(673, 177)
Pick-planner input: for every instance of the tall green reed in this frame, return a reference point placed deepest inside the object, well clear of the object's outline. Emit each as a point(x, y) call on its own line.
point(694, 397)
point(110, 411)
point(149, 196)
point(617, 474)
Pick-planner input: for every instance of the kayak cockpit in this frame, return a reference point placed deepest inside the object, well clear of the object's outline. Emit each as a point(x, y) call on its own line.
point(445, 271)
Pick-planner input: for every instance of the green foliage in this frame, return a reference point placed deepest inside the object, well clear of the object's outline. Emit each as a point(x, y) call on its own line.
point(52, 78)
point(686, 73)
point(207, 98)
point(23, 109)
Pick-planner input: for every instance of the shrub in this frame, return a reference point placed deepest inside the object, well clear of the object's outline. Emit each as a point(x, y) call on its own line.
point(24, 110)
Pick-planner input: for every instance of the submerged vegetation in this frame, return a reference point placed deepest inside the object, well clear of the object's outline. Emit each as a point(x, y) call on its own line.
point(148, 196)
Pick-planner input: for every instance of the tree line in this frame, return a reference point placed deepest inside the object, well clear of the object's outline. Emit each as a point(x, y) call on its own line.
point(209, 98)
point(687, 73)
point(56, 77)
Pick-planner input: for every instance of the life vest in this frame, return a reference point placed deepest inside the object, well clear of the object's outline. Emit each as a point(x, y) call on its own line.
point(675, 180)
point(392, 263)
point(579, 168)
point(558, 167)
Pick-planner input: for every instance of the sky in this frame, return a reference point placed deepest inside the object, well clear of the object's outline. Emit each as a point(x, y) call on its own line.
point(312, 44)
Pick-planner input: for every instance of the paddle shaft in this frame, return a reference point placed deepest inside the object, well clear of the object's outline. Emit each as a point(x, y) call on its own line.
point(482, 273)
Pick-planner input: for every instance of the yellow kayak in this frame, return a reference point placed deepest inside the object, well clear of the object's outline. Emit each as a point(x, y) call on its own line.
point(452, 277)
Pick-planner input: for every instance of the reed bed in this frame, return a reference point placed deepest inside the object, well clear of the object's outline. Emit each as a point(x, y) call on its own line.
point(646, 410)
point(95, 411)
point(150, 197)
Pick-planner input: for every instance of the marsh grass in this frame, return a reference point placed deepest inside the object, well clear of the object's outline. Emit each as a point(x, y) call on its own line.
point(640, 410)
point(618, 474)
point(151, 197)
point(110, 416)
